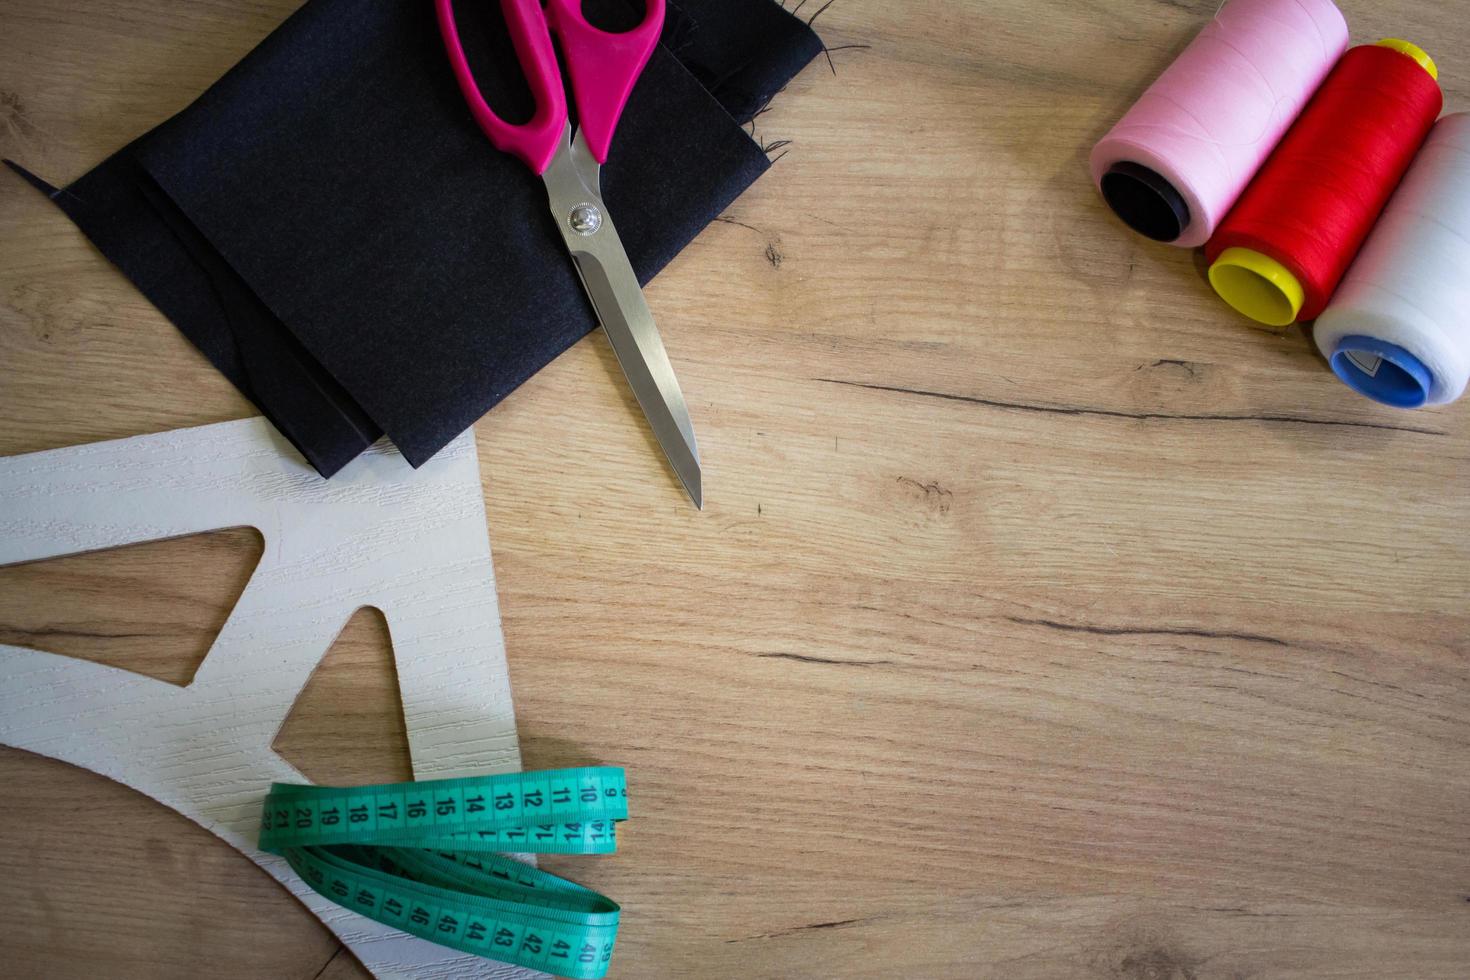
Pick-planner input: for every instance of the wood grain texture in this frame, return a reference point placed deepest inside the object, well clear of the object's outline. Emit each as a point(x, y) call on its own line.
point(180, 591)
point(1044, 620)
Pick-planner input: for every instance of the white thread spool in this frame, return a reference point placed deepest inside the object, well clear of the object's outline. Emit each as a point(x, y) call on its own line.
point(1398, 329)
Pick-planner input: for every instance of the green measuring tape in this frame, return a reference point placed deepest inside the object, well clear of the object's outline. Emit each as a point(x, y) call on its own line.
point(421, 857)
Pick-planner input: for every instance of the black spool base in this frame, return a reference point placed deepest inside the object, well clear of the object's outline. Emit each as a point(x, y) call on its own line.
point(1145, 201)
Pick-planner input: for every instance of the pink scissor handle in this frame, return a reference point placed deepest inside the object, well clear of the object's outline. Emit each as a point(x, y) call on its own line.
point(604, 66)
point(537, 141)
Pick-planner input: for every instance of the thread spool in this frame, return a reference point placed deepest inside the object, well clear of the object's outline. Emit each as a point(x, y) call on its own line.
point(1177, 161)
point(1281, 252)
point(1398, 329)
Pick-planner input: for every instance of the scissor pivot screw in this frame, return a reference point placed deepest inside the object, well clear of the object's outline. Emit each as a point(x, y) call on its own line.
point(585, 219)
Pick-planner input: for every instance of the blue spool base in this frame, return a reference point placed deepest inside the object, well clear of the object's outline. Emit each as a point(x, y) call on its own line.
point(1382, 371)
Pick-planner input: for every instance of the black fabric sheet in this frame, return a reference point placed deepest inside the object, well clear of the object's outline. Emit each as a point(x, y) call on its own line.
point(328, 225)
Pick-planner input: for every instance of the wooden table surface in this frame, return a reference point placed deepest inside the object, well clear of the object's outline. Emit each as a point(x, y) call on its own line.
point(1045, 620)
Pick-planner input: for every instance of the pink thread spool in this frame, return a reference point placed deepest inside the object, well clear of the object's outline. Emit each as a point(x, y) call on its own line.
point(1176, 162)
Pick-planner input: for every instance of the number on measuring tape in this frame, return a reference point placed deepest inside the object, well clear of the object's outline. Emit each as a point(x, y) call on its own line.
point(421, 857)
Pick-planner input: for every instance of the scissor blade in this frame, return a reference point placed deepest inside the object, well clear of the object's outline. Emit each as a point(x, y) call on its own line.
point(572, 189)
point(619, 303)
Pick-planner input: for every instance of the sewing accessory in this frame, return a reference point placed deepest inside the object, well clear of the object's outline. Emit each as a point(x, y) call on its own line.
point(420, 857)
point(1281, 252)
point(411, 543)
point(603, 68)
point(1398, 328)
point(1178, 160)
point(328, 226)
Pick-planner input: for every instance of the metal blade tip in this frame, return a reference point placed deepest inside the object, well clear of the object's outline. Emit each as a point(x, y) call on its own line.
point(694, 486)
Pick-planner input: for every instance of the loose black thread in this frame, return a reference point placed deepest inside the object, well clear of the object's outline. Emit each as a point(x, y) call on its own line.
point(771, 147)
point(826, 51)
point(783, 144)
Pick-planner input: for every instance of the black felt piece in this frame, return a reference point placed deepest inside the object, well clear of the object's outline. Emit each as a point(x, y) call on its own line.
point(135, 225)
point(742, 52)
point(332, 230)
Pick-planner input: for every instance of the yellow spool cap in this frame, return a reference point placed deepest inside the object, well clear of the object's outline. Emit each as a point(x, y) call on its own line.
point(1258, 286)
point(1413, 51)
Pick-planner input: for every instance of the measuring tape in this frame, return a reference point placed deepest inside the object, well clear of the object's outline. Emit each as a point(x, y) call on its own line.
point(421, 857)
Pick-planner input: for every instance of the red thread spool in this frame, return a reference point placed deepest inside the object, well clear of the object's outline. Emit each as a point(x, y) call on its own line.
point(1281, 252)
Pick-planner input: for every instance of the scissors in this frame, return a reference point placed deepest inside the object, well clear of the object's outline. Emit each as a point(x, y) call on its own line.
point(603, 68)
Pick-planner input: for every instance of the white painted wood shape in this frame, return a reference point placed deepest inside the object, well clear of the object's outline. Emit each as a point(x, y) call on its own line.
point(413, 543)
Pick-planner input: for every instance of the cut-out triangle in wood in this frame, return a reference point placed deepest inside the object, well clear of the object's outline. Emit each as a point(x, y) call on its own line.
point(411, 543)
point(346, 726)
point(152, 608)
